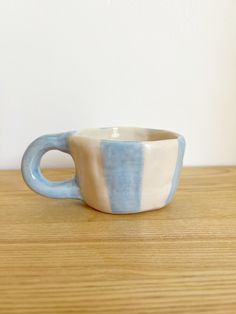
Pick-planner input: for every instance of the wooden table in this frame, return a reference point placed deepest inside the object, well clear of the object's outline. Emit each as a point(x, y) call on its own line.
point(59, 256)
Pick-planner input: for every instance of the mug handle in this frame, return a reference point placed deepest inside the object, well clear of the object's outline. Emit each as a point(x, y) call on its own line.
point(30, 167)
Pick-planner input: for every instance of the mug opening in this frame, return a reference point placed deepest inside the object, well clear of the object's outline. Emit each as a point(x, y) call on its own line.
point(128, 134)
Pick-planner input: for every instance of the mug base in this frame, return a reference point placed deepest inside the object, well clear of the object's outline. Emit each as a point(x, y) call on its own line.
point(126, 212)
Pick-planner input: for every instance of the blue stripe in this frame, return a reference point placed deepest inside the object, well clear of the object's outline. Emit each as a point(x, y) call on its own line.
point(123, 170)
point(178, 167)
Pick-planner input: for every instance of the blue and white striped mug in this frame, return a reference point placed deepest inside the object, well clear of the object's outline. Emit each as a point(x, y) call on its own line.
point(119, 170)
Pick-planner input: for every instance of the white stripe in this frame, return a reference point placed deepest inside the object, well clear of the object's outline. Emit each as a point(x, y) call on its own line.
point(160, 159)
point(86, 153)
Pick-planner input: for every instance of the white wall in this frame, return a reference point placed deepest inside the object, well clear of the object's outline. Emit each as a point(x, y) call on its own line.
point(157, 63)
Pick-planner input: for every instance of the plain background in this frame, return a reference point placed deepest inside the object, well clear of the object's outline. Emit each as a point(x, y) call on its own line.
point(73, 64)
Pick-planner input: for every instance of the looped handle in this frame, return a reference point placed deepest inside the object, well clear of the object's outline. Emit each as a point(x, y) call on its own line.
point(32, 174)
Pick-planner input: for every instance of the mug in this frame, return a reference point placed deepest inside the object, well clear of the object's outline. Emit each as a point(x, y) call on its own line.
point(119, 170)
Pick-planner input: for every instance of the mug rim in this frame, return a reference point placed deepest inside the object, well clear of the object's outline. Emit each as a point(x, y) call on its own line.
point(148, 135)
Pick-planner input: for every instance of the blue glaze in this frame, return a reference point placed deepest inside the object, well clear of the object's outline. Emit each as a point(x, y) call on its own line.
point(178, 168)
point(123, 170)
point(32, 174)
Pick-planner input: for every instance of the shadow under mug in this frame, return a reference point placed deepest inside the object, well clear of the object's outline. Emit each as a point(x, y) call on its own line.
point(118, 169)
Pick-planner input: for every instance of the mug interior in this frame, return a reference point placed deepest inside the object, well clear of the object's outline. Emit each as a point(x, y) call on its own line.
point(128, 134)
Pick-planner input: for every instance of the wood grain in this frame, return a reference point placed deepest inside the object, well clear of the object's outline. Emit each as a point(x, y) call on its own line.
point(60, 256)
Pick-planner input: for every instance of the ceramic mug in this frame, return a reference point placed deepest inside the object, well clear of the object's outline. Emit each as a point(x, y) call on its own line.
point(118, 170)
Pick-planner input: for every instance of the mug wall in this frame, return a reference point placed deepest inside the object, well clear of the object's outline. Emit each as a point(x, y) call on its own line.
point(127, 176)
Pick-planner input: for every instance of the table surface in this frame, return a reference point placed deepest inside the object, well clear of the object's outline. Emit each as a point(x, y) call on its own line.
point(59, 256)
